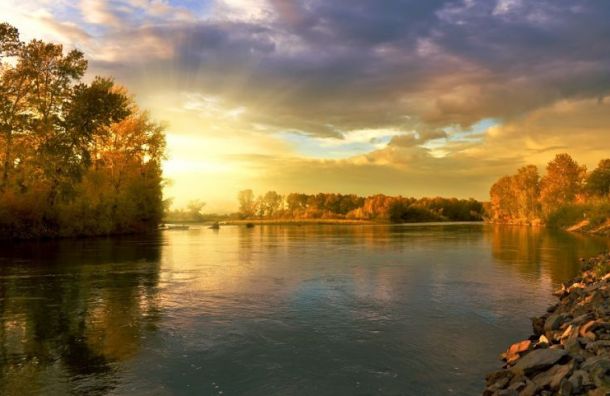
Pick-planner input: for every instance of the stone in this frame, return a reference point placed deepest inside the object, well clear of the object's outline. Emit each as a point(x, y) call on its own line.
point(517, 385)
point(543, 342)
point(581, 319)
point(514, 351)
point(538, 359)
point(595, 361)
point(496, 376)
point(553, 376)
point(538, 325)
point(598, 345)
point(566, 388)
point(577, 379)
point(569, 331)
point(587, 329)
point(530, 389)
point(554, 321)
point(572, 345)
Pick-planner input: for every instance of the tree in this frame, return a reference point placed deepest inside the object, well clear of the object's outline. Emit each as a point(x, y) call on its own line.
point(77, 158)
point(194, 209)
point(247, 203)
point(9, 40)
point(526, 189)
point(503, 200)
point(562, 183)
point(272, 203)
point(598, 182)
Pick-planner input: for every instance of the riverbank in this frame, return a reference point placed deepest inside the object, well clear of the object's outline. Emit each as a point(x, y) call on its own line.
point(300, 222)
point(569, 351)
point(588, 227)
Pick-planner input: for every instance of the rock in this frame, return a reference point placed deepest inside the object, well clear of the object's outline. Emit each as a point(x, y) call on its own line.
point(530, 389)
point(569, 331)
point(538, 325)
point(599, 370)
point(572, 345)
point(518, 386)
point(543, 341)
point(553, 376)
point(581, 319)
point(598, 345)
point(554, 321)
point(499, 375)
point(578, 379)
point(569, 353)
point(514, 351)
point(538, 359)
point(566, 388)
point(587, 330)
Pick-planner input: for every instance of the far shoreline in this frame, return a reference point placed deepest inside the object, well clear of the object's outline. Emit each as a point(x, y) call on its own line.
point(299, 222)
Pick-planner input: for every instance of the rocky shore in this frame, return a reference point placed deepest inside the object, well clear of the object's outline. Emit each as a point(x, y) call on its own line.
point(569, 352)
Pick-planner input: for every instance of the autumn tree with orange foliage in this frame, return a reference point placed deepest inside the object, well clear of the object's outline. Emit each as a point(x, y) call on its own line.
point(76, 158)
point(566, 194)
point(298, 206)
point(563, 182)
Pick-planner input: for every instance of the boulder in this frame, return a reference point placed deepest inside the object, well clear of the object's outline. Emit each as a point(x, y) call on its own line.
point(537, 360)
point(552, 377)
point(514, 351)
point(553, 322)
point(498, 376)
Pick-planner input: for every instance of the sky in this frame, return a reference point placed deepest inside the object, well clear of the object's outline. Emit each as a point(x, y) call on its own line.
point(409, 97)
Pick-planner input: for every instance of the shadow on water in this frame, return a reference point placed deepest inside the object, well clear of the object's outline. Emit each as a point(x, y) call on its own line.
point(71, 311)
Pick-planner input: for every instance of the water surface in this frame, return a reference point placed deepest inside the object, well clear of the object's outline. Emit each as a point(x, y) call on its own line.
point(302, 310)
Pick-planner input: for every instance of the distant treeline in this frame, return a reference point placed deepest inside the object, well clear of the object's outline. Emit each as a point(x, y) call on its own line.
point(567, 193)
point(272, 205)
point(75, 158)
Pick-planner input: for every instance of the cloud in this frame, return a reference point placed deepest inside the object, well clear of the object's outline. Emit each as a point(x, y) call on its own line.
point(99, 12)
point(362, 87)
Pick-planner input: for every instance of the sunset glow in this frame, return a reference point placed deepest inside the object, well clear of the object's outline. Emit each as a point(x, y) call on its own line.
point(412, 98)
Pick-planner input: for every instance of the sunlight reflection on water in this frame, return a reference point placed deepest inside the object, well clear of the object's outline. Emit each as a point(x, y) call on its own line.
point(327, 309)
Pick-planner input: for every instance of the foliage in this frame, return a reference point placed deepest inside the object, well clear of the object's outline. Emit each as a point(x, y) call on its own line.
point(349, 206)
point(598, 181)
point(247, 205)
point(516, 198)
point(564, 196)
point(76, 158)
point(562, 183)
point(192, 213)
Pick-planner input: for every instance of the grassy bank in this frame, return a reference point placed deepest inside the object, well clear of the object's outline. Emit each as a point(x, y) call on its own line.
point(591, 217)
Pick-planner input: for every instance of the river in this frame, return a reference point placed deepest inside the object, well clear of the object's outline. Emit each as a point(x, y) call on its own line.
point(276, 310)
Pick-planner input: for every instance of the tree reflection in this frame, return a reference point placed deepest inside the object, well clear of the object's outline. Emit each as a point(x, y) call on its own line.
point(74, 310)
point(536, 250)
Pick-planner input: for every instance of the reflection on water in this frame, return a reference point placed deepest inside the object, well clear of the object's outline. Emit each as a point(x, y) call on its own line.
point(534, 251)
point(275, 309)
point(71, 310)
